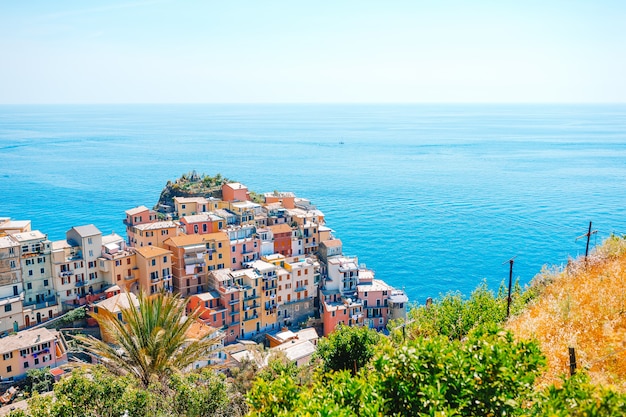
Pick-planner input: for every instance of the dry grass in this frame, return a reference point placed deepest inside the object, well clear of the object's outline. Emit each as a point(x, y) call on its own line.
point(584, 307)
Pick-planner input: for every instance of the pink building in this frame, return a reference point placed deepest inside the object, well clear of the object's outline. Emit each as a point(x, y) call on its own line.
point(203, 223)
point(31, 349)
point(136, 216)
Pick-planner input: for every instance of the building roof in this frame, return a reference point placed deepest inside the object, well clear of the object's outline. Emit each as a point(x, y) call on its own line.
point(206, 296)
point(87, 230)
point(112, 238)
point(199, 330)
point(333, 243)
point(246, 205)
point(200, 200)
point(280, 228)
point(202, 217)
point(152, 251)
point(61, 244)
point(27, 236)
point(193, 239)
point(296, 349)
point(236, 186)
point(280, 194)
point(7, 242)
point(9, 224)
point(376, 285)
point(26, 339)
point(136, 210)
point(118, 302)
point(156, 225)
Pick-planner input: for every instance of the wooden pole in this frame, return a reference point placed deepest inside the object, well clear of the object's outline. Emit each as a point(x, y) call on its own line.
point(508, 299)
point(572, 361)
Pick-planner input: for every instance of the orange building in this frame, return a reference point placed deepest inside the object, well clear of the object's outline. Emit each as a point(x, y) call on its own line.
point(286, 199)
point(235, 191)
point(154, 266)
point(282, 238)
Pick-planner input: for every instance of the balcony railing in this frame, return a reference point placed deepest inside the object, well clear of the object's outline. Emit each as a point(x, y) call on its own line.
point(129, 277)
point(66, 273)
point(80, 283)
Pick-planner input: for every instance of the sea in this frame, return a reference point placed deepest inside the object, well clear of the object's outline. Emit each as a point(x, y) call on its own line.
point(433, 198)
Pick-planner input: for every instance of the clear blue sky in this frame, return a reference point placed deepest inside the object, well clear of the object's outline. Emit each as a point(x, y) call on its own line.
point(259, 51)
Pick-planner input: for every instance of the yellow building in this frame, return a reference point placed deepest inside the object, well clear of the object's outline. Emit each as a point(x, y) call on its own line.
point(154, 267)
point(153, 234)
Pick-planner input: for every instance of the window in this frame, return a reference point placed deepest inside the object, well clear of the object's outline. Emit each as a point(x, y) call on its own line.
point(165, 259)
point(90, 252)
point(219, 256)
point(26, 365)
point(89, 241)
point(12, 264)
point(29, 286)
point(153, 262)
point(45, 282)
point(233, 249)
point(36, 361)
point(40, 260)
point(118, 262)
point(219, 244)
point(30, 272)
point(7, 356)
point(9, 369)
point(42, 270)
point(234, 260)
point(127, 261)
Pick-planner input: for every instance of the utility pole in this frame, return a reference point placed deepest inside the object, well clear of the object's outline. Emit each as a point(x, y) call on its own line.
point(508, 300)
point(588, 235)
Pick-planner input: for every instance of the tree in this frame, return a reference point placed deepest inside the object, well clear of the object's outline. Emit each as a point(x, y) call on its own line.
point(489, 374)
point(39, 380)
point(347, 348)
point(150, 341)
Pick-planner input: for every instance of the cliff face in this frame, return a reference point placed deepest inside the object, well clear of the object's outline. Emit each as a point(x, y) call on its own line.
point(190, 185)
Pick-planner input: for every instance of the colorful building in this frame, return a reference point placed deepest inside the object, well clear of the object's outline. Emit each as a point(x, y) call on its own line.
point(153, 234)
point(136, 216)
point(235, 191)
point(117, 264)
point(40, 302)
point(31, 349)
point(154, 267)
point(202, 223)
point(11, 286)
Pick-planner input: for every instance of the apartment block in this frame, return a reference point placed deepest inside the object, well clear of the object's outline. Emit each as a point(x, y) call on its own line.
point(40, 302)
point(31, 349)
point(154, 267)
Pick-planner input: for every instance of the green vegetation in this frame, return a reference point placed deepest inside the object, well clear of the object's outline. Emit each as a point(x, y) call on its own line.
point(151, 341)
point(348, 348)
point(454, 357)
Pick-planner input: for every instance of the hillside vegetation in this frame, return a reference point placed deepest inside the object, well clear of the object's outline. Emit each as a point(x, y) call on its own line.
point(584, 307)
point(456, 356)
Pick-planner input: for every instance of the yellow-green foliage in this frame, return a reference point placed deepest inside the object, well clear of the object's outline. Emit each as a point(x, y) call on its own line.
point(583, 306)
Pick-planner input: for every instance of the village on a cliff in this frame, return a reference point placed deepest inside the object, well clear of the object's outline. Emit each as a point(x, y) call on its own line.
point(260, 268)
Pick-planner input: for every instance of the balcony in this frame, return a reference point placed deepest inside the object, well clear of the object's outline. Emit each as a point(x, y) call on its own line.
point(253, 317)
point(129, 277)
point(66, 273)
point(80, 283)
point(301, 288)
point(251, 297)
point(46, 302)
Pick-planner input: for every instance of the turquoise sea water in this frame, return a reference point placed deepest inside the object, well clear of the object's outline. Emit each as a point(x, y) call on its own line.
point(432, 197)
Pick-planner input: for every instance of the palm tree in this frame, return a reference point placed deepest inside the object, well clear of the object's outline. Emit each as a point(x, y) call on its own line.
point(150, 342)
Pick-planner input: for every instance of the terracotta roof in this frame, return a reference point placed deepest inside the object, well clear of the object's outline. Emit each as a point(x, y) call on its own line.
point(193, 239)
point(280, 228)
point(136, 210)
point(333, 243)
point(150, 251)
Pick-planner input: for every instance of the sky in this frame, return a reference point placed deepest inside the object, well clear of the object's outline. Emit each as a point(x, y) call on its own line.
point(292, 51)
